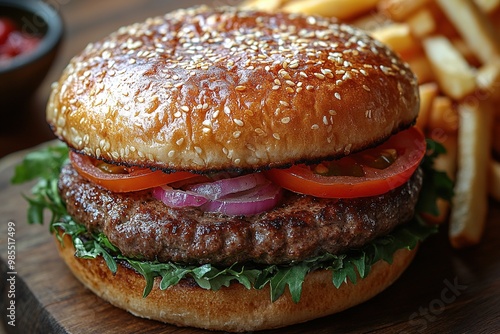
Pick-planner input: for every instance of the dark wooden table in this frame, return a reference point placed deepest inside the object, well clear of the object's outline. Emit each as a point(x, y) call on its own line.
point(443, 291)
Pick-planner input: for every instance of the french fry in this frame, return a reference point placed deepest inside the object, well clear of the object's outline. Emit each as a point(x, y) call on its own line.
point(454, 75)
point(470, 203)
point(428, 92)
point(443, 115)
point(264, 5)
point(422, 23)
point(397, 36)
point(488, 79)
point(342, 9)
point(494, 180)
point(465, 51)
point(420, 65)
point(474, 26)
point(488, 6)
point(372, 21)
point(399, 10)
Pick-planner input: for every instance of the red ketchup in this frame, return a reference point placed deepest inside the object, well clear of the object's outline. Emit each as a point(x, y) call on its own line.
point(13, 41)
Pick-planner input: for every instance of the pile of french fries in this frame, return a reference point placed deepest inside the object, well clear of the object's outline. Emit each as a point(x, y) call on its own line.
point(453, 46)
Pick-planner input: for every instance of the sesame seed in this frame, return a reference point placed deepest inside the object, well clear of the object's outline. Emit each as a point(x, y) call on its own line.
point(276, 87)
point(185, 108)
point(284, 74)
point(236, 134)
point(179, 141)
point(347, 75)
point(285, 120)
point(240, 88)
point(290, 83)
point(259, 131)
point(315, 127)
point(284, 103)
point(319, 76)
point(290, 90)
point(303, 74)
point(385, 70)
point(238, 122)
point(276, 136)
point(337, 96)
point(309, 87)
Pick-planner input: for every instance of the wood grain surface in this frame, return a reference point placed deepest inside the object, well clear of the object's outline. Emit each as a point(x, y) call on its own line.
point(443, 291)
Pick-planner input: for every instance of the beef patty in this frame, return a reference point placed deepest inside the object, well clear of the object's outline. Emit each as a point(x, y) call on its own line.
point(301, 227)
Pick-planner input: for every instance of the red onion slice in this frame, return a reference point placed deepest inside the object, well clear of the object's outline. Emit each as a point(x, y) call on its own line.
point(256, 200)
point(218, 189)
point(178, 198)
point(242, 195)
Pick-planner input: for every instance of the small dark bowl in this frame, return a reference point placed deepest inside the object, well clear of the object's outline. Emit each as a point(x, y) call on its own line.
point(21, 75)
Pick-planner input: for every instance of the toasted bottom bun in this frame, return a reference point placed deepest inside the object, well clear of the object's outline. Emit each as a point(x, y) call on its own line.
point(234, 308)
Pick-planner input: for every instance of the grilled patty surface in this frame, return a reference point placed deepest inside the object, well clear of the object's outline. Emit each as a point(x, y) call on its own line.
point(300, 227)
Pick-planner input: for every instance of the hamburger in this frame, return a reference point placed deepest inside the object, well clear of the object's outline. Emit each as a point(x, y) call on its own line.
point(237, 170)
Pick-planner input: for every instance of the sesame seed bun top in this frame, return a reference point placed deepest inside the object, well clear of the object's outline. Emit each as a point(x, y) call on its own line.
point(212, 89)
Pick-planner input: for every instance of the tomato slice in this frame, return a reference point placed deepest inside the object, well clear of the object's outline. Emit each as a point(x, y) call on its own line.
point(123, 179)
point(368, 173)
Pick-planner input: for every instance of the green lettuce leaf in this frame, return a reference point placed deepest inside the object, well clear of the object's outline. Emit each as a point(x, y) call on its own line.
point(45, 165)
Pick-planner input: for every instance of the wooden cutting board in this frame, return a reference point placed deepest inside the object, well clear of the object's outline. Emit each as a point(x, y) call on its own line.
point(443, 291)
